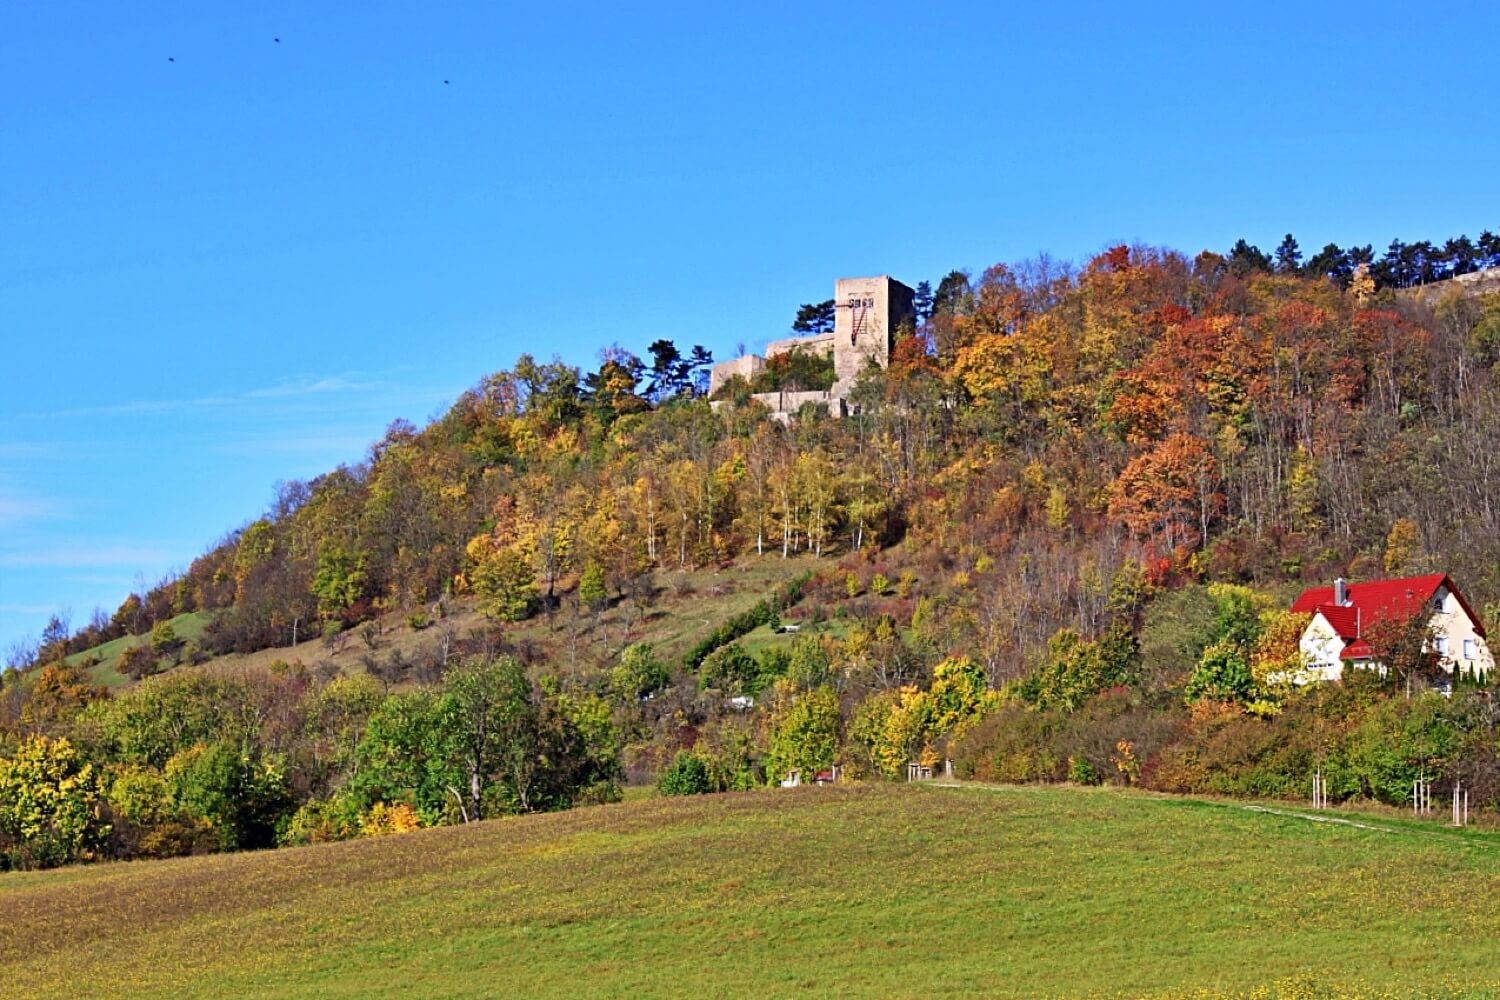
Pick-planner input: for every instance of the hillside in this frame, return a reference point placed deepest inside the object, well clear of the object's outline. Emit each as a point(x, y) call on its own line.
point(859, 891)
point(1054, 536)
point(687, 606)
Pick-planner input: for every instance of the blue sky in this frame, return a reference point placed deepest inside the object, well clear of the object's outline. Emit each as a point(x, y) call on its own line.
point(239, 265)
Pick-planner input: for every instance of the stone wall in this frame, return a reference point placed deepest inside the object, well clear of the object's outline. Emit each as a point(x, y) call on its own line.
point(747, 368)
point(785, 405)
point(820, 344)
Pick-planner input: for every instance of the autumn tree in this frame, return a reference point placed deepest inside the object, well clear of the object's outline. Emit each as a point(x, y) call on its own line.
point(1403, 545)
point(502, 579)
point(1169, 495)
point(49, 803)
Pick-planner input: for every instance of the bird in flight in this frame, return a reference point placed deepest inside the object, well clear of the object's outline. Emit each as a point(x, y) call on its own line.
point(276, 40)
point(445, 83)
point(171, 58)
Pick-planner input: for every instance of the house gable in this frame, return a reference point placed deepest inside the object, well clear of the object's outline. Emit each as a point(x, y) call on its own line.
point(1339, 629)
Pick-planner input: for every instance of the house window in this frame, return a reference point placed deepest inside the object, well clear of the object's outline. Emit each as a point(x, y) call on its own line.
point(1440, 643)
point(1468, 649)
point(1437, 603)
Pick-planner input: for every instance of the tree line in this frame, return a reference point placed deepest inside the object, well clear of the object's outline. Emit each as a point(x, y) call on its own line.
point(1402, 265)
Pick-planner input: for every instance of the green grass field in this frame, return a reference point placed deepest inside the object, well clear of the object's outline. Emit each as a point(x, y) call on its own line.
point(761, 638)
point(189, 627)
point(864, 890)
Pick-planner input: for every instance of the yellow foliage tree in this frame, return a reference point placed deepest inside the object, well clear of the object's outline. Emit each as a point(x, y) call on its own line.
point(384, 818)
point(907, 723)
point(1402, 547)
point(1362, 285)
point(501, 578)
point(1277, 657)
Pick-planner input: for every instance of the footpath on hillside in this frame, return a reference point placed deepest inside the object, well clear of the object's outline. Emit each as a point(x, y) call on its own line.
point(1467, 836)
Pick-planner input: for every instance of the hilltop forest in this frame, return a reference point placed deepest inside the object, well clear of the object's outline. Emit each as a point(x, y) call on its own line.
point(1055, 540)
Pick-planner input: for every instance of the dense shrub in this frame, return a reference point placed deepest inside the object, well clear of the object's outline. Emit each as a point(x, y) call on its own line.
point(322, 821)
point(639, 674)
point(688, 775)
point(1075, 669)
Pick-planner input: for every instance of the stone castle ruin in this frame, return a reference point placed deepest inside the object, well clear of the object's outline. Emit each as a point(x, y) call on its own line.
point(867, 314)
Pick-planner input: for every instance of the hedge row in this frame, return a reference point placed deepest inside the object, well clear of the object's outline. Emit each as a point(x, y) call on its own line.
point(762, 613)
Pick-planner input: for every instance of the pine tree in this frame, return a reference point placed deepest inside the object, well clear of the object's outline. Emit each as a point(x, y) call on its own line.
point(1288, 256)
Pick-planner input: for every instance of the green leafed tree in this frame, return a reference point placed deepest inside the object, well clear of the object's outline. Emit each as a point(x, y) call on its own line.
point(638, 674)
point(1288, 256)
point(1075, 669)
point(1245, 258)
point(804, 732)
point(1223, 674)
point(688, 774)
point(240, 794)
point(489, 727)
point(732, 670)
point(488, 743)
point(165, 642)
point(402, 756)
point(505, 584)
point(341, 580)
point(591, 591)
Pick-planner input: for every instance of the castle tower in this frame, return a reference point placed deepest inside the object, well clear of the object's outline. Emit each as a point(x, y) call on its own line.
point(868, 311)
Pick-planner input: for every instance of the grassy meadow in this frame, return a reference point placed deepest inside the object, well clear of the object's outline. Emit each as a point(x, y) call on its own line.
point(104, 659)
point(862, 890)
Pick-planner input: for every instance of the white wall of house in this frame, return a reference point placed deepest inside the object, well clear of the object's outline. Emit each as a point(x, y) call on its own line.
point(1321, 647)
point(1459, 647)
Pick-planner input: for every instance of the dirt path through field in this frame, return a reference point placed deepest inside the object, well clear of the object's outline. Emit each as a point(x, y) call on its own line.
point(1444, 834)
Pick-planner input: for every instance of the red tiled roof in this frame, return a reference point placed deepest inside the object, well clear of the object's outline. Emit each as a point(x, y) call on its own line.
point(1378, 601)
point(1345, 620)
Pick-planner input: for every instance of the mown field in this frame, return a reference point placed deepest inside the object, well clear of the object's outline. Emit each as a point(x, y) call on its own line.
point(872, 890)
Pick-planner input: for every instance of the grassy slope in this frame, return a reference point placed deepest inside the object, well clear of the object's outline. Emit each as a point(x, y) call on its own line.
point(189, 627)
point(860, 890)
point(689, 605)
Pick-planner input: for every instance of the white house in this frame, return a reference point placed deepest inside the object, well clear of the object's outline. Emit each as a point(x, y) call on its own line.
point(1344, 614)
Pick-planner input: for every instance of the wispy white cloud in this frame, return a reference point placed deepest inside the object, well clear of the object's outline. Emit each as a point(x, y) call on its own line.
point(102, 579)
point(26, 449)
point(133, 408)
point(349, 382)
point(313, 387)
point(76, 555)
point(332, 441)
point(18, 510)
point(28, 609)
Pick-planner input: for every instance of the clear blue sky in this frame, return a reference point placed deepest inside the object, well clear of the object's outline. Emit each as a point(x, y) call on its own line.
point(238, 266)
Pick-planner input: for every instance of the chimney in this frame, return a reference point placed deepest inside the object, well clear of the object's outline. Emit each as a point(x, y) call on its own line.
point(1340, 592)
